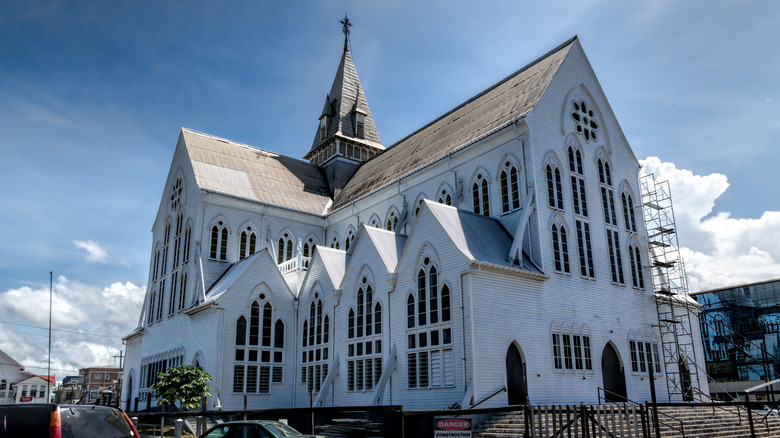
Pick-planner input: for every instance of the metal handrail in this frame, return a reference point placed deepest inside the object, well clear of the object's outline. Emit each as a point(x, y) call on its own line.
point(714, 405)
point(486, 398)
point(627, 400)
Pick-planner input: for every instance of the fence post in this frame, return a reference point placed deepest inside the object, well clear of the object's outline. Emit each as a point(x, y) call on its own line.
point(162, 420)
point(527, 411)
point(177, 428)
point(135, 405)
point(311, 406)
point(244, 408)
point(201, 427)
point(750, 416)
point(584, 420)
point(645, 423)
point(134, 420)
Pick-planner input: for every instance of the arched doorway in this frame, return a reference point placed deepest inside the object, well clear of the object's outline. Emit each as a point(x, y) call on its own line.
point(685, 379)
point(516, 388)
point(130, 393)
point(612, 375)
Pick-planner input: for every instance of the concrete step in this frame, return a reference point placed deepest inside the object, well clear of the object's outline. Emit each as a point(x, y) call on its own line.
point(699, 422)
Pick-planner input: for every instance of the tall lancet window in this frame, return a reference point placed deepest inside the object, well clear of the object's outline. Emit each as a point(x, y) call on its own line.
point(284, 248)
point(315, 341)
point(510, 188)
point(429, 331)
point(247, 243)
point(364, 347)
point(481, 195)
point(219, 240)
point(259, 351)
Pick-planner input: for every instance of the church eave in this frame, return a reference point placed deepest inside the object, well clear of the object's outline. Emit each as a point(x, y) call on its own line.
point(136, 333)
point(509, 269)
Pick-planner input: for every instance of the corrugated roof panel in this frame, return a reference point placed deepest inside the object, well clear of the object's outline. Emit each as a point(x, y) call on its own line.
point(239, 170)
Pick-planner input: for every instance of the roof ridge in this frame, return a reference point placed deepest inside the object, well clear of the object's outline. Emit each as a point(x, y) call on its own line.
point(492, 87)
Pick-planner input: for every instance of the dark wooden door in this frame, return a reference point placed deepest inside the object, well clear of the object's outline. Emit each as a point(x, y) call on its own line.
point(685, 377)
point(612, 375)
point(517, 390)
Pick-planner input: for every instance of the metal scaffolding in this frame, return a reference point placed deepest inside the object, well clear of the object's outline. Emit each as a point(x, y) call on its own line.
point(675, 308)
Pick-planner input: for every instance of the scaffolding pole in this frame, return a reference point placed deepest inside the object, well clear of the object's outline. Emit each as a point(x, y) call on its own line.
point(674, 306)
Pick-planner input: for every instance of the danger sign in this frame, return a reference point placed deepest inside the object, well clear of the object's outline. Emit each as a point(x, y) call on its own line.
point(451, 427)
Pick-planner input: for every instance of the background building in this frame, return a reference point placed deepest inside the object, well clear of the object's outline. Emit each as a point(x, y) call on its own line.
point(20, 386)
point(97, 380)
point(740, 327)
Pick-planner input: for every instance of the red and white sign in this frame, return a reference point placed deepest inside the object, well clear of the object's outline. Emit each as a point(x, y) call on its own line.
point(451, 427)
point(25, 399)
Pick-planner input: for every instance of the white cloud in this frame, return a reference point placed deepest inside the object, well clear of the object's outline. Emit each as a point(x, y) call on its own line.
point(102, 315)
point(718, 250)
point(95, 254)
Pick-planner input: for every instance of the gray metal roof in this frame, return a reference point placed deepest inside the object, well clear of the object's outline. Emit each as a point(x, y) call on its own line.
point(512, 97)
point(335, 262)
point(246, 172)
point(388, 244)
point(230, 276)
point(479, 238)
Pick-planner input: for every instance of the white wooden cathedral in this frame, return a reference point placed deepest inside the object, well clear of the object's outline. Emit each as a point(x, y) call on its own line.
point(500, 246)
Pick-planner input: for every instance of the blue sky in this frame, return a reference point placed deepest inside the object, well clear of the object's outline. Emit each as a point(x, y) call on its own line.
point(92, 96)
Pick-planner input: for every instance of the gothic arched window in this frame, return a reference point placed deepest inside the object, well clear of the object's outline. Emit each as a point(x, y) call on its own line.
point(247, 243)
point(429, 331)
point(364, 351)
point(637, 279)
point(444, 197)
point(510, 187)
point(314, 357)
point(219, 240)
point(481, 195)
point(560, 249)
point(628, 212)
point(284, 249)
point(554, 187)
point(257, 363)
point(392, 220)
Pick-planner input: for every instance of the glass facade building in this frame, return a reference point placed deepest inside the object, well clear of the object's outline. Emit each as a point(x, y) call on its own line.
point(740, 329)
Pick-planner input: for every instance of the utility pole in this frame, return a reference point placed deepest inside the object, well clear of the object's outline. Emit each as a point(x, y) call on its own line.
point(48, 369)
point(120, 378)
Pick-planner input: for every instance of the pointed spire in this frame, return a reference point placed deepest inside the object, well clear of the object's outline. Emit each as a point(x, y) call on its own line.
point(346, 116)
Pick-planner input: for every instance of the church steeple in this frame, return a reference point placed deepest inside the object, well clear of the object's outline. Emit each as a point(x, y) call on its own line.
point(346, 133)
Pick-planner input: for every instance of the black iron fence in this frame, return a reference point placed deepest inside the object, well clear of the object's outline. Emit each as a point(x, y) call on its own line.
point(614, 420)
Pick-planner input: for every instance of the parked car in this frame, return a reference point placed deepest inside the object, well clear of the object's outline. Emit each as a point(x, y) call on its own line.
point(48, 420)
point(253, 429)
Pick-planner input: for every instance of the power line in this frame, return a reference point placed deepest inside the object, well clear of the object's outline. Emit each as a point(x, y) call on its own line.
point(59, 330)
point(41, 368)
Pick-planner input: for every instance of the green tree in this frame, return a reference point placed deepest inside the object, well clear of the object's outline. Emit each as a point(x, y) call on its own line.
point(186, 384)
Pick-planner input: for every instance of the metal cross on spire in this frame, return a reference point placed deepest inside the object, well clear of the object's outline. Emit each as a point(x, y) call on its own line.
point(345, 25)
